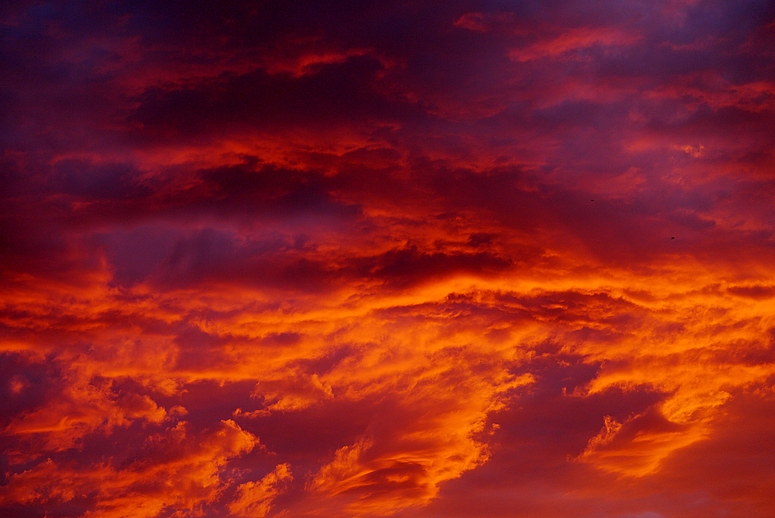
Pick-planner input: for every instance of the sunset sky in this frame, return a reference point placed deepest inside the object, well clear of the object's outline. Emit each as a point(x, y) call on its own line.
point(387, 258)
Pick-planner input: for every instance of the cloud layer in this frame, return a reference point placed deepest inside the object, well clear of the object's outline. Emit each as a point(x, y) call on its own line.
point(371, 259)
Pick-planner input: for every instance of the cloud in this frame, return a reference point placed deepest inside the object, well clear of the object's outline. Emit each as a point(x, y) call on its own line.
point(176, 469)
point(573, 40)
point(456, 259)
point(255, 498)
point(338, 93)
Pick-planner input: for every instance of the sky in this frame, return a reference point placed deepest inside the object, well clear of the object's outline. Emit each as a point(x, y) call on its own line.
point(416, 259)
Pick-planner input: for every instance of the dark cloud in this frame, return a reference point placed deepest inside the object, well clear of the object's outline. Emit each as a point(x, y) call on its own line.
point(337, 94)
point(26, 384)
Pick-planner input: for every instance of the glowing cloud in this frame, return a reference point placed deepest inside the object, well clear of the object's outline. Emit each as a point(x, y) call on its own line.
point(372, 259)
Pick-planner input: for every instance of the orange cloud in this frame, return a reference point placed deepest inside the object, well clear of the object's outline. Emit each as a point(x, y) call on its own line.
point(255, 498)
point(441, 261)
point(178, 470)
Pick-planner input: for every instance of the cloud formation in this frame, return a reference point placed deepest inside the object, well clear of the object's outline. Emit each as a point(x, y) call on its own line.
point(354, 259)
